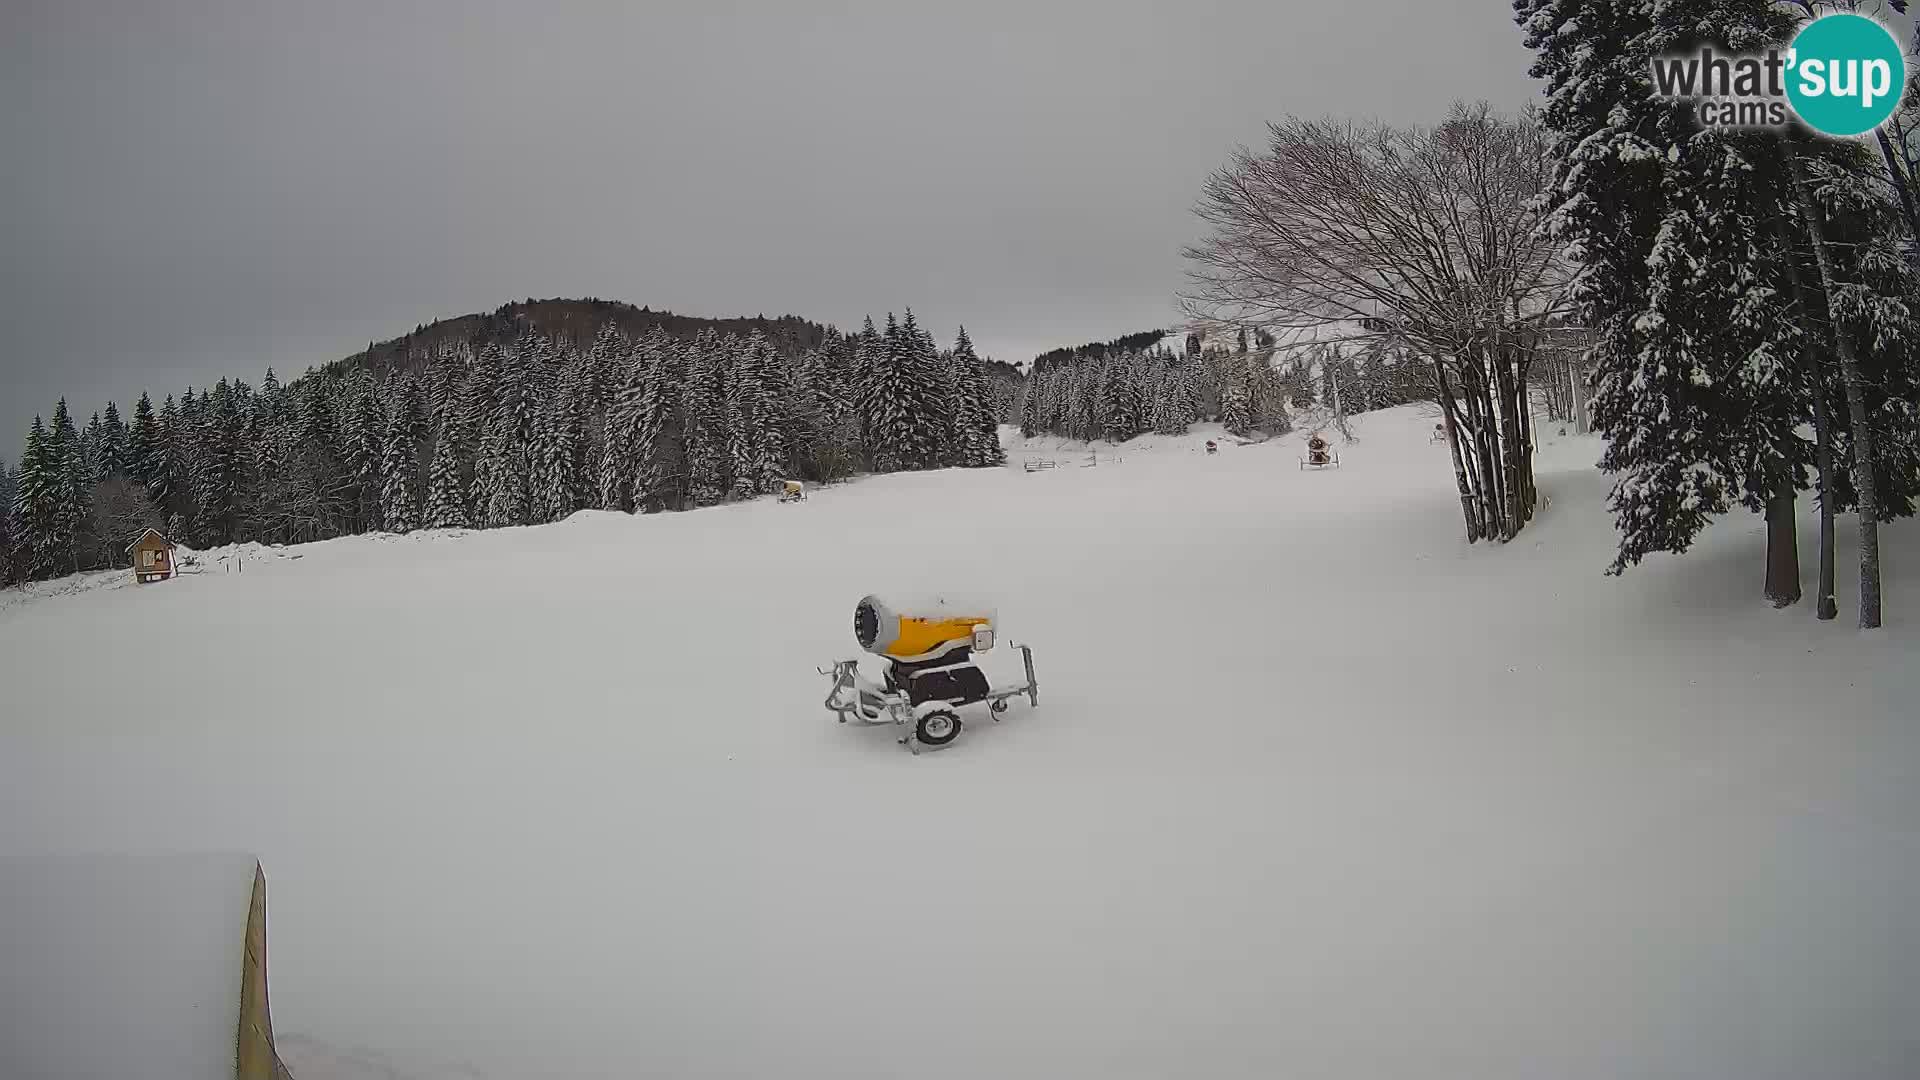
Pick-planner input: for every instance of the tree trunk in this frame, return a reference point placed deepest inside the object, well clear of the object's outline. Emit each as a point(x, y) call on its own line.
point(1863, 456)
point(1577, 385)
point(1783, 546)
point(1825, 606)
point(1468, 510)
point(1487, 446)
point(1902, 183)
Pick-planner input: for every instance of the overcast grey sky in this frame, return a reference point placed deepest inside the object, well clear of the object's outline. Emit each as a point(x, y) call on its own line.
point(191, 188)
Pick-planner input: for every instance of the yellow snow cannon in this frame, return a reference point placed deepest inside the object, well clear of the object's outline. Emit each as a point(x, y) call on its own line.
point(928, 644)
point(921, 629)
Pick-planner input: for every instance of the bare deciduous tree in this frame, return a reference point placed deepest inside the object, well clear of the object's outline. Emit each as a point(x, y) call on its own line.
point(1424, 237)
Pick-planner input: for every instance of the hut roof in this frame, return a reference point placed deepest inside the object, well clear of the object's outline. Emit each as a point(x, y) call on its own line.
point(153, 533)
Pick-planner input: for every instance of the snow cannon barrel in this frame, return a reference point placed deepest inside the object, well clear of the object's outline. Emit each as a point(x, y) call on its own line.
point(900, 628)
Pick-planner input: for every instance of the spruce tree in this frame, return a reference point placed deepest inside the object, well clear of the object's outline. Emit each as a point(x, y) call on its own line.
point(555, 460)
point(922, 426)
point(753, 436)
point(399, 489)
point(1680, 278)
point(1236, 396)
point(869, 357)
point(215, 466)
point(271, 399)
point(11, 564)
point(978, 424)
point(143, 440)
point(703, 421)
point(446, 486)
point(90, 450)
point(40, 505)
point(661, 395)
point(506, 449)
point(615, 466)
point(113, 444)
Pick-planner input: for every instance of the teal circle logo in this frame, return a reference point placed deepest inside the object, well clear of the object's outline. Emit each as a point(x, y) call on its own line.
point(1846, 75)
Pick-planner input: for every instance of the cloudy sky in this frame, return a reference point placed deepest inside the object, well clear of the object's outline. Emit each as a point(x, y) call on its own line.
point(191, 188)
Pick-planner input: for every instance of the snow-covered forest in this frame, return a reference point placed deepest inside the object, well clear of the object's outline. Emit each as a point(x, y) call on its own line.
point(1751, 294)
point(504, 432)
point(1251, 388)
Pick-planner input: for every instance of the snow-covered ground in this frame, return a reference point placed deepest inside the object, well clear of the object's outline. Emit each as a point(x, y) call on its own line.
point(113, 967)
point(1314, 789)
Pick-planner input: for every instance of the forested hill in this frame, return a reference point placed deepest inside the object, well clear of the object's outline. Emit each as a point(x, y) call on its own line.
point(1145, 339)
point(569, 322)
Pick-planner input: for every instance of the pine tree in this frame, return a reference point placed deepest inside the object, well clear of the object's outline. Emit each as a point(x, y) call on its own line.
point(113, 444)
point(90, 450)
point(446, 385)
point(1236, 396)
point(40, 505)
point(446, 486)
point(503, 486)
point(924, 426)
point(143, 440)
point(12, 567)
point(1675, 229)
point(977, 424)
point(615, 466)
point(753, 434)
point(703, 422)
point(214, 466)
point(399, 490)
point(76, 485)
point(868, 358)
point(271, 398)
point(555, 458)
point(362, 443)
point(315, 494)
point(903, 399)
point(661, 393)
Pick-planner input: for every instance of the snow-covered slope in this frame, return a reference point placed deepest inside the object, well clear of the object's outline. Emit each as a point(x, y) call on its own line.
point(123, 966)
point(1314, 789)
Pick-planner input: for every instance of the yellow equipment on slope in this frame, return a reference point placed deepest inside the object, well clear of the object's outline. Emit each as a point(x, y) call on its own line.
point(921, 629)
point(928, 645)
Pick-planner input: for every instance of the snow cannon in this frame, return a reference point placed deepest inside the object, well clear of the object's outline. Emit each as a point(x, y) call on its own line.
point(918, 630)
point(928, 645)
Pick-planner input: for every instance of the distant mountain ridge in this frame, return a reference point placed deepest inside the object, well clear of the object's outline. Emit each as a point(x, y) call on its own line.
point(571, 321)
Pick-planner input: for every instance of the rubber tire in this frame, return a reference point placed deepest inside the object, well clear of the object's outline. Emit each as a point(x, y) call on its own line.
point(953, 727)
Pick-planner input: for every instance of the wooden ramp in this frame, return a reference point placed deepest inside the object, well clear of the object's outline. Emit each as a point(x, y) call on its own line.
point(134, 968)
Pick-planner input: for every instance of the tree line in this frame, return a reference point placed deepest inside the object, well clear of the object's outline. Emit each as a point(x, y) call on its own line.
point(496, 433)
point(1744, 289)
point(1251, 388)
point(1736, 310)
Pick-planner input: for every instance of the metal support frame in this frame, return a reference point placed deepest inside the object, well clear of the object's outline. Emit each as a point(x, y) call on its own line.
point(855, 697)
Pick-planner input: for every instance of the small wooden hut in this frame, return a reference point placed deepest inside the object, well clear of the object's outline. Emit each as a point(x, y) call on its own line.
point(152, 556)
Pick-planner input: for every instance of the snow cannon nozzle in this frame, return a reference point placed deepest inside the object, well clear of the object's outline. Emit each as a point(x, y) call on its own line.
point(918, 628)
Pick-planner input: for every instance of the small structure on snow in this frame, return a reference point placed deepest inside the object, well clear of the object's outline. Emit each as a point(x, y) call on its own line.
point(792, 491)
point(1320, 455)
point(152, 556)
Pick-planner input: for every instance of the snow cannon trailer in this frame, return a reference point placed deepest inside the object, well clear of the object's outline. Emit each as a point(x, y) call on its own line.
point(928, 646)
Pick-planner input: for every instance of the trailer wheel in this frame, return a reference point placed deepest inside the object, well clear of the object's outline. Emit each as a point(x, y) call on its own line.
point(937, 727)
point(999, 707)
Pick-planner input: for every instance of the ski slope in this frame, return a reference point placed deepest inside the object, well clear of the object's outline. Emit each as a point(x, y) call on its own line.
point(1314, 789)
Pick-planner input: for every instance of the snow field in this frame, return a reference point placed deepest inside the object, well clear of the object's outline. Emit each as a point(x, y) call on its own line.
point(1314, 789)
